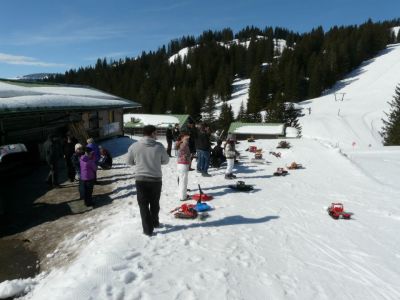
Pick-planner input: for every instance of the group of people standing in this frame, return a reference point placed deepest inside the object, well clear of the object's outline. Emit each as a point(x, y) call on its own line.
point(147, 155)
point(81, 163)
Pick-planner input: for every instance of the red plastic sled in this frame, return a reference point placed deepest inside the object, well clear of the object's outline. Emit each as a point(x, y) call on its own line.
point(202, 197)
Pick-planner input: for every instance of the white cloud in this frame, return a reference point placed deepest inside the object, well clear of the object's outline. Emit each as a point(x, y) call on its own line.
point(25, 60)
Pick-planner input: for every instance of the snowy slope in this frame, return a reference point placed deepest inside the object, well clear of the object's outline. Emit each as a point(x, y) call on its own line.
point(240, 95)
point(358, 117)
point(276, 242)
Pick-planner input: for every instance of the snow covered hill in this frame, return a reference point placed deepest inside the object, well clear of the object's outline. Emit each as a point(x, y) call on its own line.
point(276, 242)
point(358, 118)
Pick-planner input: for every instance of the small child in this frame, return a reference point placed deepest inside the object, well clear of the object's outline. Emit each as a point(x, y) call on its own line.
point(75, 160)
point(183, 161)
point(230, 154)
point(217, 155)
point(88, 175)
point(105, 161)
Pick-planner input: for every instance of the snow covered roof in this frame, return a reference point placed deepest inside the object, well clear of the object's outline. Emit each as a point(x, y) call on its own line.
point(140, 120)
point(257, 128)
point(16, 96)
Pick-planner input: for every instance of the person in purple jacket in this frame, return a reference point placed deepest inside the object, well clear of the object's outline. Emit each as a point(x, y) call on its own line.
point(95, 147)
point(97, 155)
point(88, 175)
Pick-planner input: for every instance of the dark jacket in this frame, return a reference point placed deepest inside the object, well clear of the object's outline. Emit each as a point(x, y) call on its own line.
point(176, 132)
point(69, 149)
point(106, 160)
point(193, 132)
point(76, 164)
point(218, 151)
point(169, 135)
point(203, 141)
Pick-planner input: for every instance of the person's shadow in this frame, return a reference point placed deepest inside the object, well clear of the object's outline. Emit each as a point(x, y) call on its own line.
point(227, 221)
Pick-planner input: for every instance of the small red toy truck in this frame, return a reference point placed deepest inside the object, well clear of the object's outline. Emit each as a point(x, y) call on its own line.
point(336, 211)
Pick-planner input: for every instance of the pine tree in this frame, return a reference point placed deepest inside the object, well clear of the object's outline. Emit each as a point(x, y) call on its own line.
point(291, 116)
point(391, 130)
point(275, 111)
point(256, 92)
point(226, 117)
point(208, 110)
point(241, 117)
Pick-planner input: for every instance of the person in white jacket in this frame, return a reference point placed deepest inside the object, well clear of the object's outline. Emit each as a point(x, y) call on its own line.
point(230, 153)
point(147, 155)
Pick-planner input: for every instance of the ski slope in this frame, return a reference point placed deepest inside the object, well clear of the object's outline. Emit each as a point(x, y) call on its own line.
point(276, 242)
point(358, 118)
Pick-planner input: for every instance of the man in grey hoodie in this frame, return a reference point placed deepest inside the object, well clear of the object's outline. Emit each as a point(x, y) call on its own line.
point(147, 155)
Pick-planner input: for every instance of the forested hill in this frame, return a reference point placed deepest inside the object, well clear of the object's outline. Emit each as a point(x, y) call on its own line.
point(301, 68)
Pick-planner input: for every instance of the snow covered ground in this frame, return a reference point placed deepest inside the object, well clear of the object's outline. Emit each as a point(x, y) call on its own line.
point(276, 242)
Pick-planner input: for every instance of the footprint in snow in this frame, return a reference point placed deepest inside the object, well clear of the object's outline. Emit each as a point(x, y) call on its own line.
point(119, 267)
point(129, 277)
point(131, 256)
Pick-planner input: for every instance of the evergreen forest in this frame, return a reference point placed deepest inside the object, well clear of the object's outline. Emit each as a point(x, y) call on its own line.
point(308, 64)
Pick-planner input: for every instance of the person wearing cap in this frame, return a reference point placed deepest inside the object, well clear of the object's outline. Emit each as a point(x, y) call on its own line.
point(91, 144)
point(147, 155)
point(88, 175)
point(170, 138)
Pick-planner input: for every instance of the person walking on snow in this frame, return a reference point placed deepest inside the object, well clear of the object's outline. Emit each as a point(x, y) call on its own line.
point(147, 155)
point(183, 161)
point(230, 154)
point(170, 138)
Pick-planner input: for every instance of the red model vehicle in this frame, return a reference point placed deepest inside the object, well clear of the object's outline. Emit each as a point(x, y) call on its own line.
point(253, 149)
point(201, 196)
point(336, 211)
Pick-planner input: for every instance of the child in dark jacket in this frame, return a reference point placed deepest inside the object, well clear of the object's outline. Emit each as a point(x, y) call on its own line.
point(88, 175)
point(105, 161)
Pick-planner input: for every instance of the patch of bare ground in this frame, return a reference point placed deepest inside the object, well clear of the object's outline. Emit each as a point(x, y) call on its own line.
point(51, 223)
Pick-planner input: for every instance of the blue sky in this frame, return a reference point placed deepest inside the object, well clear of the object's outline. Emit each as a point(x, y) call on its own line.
point(54, 36)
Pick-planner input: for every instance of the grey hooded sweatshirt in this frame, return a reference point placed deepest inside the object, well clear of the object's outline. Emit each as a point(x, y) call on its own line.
point(147, 155)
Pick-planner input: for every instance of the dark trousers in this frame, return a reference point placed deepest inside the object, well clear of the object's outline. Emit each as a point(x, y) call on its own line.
point(52, 177)
point(86, 191)
point(148, 197)
point(70, 169)
point(169, 147)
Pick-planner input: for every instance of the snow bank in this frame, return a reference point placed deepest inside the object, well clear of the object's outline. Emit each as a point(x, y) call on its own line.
point(17, 287)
